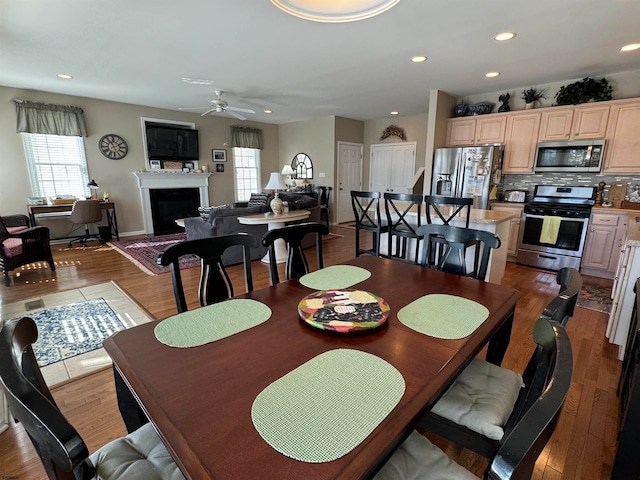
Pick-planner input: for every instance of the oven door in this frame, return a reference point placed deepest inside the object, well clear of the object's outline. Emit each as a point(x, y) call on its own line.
point(570, 241)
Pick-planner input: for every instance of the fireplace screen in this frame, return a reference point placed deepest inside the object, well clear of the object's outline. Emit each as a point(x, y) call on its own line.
point(167, 205)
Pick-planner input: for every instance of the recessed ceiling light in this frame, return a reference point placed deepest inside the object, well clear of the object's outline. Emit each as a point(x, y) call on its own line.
point(197, 81)
point(394, 113)
point(501, 37)
point(267, 111)
point(630, 47)
point(491, 74)
point(334, 11)
point(64, 75)
point(418, 59)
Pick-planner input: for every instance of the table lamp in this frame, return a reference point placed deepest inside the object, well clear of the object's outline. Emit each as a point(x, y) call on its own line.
point(275, 183)
point(93, 187)
point(288, 171)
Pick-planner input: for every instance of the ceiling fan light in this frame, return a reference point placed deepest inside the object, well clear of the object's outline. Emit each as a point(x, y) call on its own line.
point(630, 47)
point(334, 11)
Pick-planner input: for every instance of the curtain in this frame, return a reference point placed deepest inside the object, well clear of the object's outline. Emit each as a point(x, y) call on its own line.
point(246, 137)
point(34, 117)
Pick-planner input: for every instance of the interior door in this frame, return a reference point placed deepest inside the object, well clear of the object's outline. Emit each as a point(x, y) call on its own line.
point(349, 178)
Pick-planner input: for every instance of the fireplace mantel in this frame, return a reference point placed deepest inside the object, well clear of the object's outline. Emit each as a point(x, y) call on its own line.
point(151, 180)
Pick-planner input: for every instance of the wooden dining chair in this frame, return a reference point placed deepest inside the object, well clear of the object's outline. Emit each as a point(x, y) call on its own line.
point(215, 284)
point(445, 249)
point(404, 217)
point(366, 210)
point(296, 264)
point(140, 455)
point(561, 308)
point(448, 208)
point(324, 197)
point(488, 407)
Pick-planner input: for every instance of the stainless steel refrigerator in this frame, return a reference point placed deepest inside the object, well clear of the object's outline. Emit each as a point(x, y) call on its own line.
point(467, 172)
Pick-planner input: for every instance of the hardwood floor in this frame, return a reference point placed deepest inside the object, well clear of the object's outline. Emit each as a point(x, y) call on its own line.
point(582, 447)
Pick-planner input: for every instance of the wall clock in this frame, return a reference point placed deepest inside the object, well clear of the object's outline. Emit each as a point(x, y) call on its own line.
point(113, 146)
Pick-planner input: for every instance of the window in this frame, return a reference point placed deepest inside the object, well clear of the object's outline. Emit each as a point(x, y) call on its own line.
point(247, 168)
point(57, 165)
point(302, 166)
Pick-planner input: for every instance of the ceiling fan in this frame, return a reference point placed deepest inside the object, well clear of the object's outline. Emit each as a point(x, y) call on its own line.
point(218, 105)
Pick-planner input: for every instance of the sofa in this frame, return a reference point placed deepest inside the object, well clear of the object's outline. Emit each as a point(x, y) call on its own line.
point(223, 220)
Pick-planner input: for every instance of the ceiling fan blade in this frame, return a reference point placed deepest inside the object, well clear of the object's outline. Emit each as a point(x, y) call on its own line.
point(237, 115)
point(208, 112)
point(191, 108)
point(238, 109)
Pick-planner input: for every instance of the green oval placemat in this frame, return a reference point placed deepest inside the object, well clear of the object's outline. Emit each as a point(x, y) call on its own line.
point(335, 277)
point(326, 407)
point(211, 323)
point(443, 316)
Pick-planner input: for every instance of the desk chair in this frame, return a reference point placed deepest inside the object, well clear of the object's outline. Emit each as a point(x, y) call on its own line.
point(215, 284)
point(400, 209)
point(22, 245)
point(366, 210)
point(524, 434)
point(297, 264)
point(86, 211)
point(140, 455)
point(561, 308)
point(324, 195)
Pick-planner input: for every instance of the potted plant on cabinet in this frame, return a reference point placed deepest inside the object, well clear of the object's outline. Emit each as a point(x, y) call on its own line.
point(531, 96)
point(585, 90)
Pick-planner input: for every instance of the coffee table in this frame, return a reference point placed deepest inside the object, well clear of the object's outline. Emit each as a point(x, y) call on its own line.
point(275, 221)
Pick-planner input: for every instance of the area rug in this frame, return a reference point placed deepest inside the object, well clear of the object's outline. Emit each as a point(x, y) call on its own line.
point(70, 330)
point(595, 297)
point(144, 252)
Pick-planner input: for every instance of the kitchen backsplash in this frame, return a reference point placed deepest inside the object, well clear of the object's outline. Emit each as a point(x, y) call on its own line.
point(529, 181)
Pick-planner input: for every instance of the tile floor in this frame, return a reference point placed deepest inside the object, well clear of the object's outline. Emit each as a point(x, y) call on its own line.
point(129, 313)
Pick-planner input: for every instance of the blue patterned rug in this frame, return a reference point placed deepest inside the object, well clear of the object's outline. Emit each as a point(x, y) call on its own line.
point(70, 330)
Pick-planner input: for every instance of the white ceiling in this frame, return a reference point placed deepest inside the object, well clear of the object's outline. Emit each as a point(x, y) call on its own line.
point(138, 52)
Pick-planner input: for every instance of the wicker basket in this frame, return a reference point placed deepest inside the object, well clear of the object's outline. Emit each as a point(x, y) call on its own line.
point(62, 201)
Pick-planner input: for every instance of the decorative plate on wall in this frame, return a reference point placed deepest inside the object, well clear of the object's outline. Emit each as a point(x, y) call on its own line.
point(113, 146)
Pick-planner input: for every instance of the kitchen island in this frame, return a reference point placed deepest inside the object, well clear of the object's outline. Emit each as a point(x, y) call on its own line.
point(494, 221)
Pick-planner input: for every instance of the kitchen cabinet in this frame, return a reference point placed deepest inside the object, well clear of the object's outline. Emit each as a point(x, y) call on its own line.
point(514, 228)
point(574, 123)
point(480, 130)
point(392, 167)
point(622, 150)
point(521, 138)
point(604, 244)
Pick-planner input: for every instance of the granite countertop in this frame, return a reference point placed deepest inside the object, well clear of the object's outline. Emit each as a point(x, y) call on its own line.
point(490, 216)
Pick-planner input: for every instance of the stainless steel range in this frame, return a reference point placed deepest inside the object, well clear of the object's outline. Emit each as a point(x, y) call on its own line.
point(555, 226)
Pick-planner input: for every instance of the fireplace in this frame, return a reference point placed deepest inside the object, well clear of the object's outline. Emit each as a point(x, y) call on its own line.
point(170, 182)
point(168, 204)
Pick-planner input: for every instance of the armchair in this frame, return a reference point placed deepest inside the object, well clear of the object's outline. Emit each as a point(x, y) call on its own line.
point(21, 244)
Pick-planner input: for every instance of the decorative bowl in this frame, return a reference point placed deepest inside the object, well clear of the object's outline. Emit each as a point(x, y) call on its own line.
point(480, 108)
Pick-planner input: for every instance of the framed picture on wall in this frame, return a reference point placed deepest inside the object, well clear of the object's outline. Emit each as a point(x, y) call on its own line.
point(219, 155)
point(219, 168)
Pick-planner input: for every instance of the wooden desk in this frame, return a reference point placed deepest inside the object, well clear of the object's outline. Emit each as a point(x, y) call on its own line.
point(200, 398)
point(108, 207)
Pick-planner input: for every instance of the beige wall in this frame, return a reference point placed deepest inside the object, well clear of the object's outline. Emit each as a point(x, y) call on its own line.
point(115, 176)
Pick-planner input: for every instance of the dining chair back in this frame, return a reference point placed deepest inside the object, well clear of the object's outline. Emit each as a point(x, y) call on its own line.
point(366, 210)
point(22, 245)
point(445, 249)
point(86, 212)
point(324, 196)
point(515, 456)
point(561, 308)
point(215, 284)
point(64, 455)
point(404, 217)
point(292, 235)
point(448, 208)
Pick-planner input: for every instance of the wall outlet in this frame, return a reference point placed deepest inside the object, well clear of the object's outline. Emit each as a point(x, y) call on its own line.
point(321, 175)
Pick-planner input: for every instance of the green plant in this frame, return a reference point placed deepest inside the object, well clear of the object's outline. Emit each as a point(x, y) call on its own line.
point(533, 94)
point(584, 91)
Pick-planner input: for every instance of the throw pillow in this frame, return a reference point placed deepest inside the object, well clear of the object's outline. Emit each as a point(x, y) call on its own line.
point(258, 200)
point(205, 211)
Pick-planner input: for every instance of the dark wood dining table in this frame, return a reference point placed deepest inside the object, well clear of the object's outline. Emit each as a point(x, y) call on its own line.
point(200, 398)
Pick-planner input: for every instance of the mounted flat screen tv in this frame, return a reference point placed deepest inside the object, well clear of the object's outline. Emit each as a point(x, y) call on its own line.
point(166, 142)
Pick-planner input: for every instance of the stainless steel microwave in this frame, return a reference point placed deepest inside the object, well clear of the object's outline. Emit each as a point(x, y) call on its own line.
point(576, 156)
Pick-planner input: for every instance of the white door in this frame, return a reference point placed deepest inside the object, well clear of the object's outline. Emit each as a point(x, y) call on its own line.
point(380, 169)
point(392, 167)
point(349, 178)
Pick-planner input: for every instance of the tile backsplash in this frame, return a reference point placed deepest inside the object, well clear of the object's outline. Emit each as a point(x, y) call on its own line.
point(529, 181)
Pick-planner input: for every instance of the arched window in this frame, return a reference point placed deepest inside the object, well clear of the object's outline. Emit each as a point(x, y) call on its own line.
point(302, 166)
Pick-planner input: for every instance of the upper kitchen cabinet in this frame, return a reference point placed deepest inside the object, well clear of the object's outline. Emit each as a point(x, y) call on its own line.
point(623, 138)
point(574, 123)
point(521, 139)
point(478, 130)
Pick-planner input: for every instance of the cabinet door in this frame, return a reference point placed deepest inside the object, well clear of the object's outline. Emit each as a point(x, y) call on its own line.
point(520, 142)
point(461, 132)
point(556, 124)
point(403, 163)
point(514, 228)
point(599, 247)
point(623, 141)
point(490, 129)
point(590, 122)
